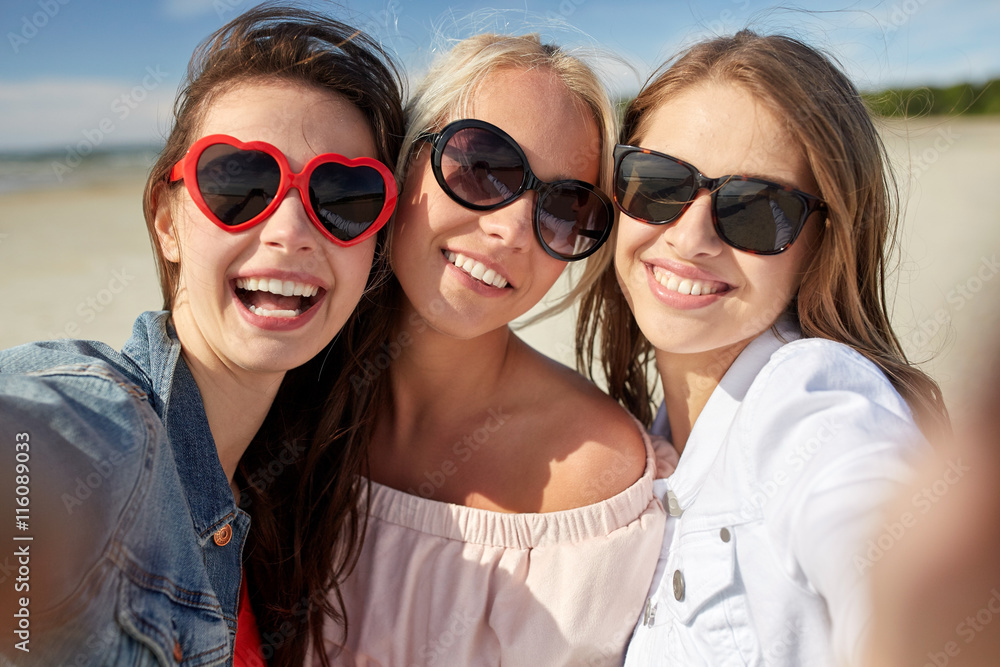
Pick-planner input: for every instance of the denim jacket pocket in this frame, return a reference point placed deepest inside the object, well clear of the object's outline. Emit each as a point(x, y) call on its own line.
point(706, 588)
point(175, 630)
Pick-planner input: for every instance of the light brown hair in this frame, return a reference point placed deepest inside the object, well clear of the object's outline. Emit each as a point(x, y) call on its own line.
point(298, 478)
point(842, 296)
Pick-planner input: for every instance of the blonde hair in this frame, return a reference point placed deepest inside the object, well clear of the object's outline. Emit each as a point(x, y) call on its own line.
point(449, 88)
point(842, 296)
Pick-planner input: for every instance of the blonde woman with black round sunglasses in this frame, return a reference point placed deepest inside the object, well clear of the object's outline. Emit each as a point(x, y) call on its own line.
point(512, 519)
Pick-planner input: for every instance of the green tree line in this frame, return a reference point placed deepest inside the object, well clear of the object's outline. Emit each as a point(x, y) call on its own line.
point(964, 98)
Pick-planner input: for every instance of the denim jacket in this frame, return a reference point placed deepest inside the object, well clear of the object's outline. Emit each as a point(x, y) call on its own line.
point(135, 549)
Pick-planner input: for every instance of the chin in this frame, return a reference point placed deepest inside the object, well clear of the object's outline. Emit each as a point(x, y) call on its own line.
point(458, 330)
point(276, 357)
point(669, 338)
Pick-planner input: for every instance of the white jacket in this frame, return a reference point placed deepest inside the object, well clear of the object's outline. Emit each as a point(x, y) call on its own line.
point(779, 493)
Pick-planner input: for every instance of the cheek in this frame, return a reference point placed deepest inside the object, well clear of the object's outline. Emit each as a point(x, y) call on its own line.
point(412, 222)
point(799, 257)
point(773, 283)
point(402, 245)
point(204, 250)
point(548, 269)
point(351, 267)
point(410, 218)
point(631, 237)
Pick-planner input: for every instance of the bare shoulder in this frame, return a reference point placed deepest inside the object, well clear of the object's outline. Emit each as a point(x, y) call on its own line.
point(594, 448)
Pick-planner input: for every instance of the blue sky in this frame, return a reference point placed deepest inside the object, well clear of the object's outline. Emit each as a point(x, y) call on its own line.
point(70, 69)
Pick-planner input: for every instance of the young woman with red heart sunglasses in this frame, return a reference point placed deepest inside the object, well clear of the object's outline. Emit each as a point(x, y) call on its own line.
point(756, 205)
point(506, 490)
point(266, 210)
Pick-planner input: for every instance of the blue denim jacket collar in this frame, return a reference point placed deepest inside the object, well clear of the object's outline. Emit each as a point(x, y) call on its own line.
point(155, 351)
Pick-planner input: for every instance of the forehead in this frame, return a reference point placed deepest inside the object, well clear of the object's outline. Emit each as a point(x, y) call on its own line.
point(555, 128)
point(722, 129)
point(299, 119)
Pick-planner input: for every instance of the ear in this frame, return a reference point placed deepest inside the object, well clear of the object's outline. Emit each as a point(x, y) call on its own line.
point(163, 223)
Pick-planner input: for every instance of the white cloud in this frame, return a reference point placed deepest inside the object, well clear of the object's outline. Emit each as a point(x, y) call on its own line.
point(56, 113)
point(622, 74)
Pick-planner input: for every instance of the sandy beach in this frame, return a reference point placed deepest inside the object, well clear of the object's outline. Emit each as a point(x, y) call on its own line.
point(76, 262)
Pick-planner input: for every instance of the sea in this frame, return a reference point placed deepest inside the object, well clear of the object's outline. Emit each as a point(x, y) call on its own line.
point(22, 171)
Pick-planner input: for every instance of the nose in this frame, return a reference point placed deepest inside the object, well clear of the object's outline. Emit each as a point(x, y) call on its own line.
point(289, 228)
point(693, 233)
point(511, 225)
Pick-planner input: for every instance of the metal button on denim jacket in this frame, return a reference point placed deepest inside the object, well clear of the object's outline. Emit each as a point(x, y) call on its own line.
point(126, 498)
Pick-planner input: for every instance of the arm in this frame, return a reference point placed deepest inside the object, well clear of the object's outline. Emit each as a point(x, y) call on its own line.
point(69, 437)
point(933, 593)
point(845, 442)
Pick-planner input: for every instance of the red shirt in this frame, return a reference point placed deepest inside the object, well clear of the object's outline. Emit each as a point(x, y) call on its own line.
point(247, 652)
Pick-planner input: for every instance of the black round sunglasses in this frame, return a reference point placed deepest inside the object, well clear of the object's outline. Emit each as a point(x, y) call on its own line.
point(482, 168)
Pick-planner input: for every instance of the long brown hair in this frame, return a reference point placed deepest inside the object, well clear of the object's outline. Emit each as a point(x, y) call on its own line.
point(298, 476)
point(843, 295)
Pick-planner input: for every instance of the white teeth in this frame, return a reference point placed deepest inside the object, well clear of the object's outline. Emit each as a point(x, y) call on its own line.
point(477, 270)
point(264, 312)
point(686, 285)
point(275, 286)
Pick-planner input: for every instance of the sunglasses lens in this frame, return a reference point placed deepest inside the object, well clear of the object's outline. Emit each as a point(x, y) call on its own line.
point(237, 185)
point(481, 168)
point(572, 220)
point(757, 216)
point(347, 200)
point(652, 188)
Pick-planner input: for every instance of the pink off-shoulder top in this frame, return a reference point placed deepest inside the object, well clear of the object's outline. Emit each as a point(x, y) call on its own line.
point(443, 584)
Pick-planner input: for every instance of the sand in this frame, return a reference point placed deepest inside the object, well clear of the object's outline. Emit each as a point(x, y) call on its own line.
point(77, 262)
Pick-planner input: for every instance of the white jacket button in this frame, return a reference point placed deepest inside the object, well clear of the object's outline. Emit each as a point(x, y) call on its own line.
point(673, 505)
point(678, 585)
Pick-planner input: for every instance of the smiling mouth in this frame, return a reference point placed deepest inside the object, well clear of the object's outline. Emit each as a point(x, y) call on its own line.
point(687, 286)
point(270, 297)
point(476, 269)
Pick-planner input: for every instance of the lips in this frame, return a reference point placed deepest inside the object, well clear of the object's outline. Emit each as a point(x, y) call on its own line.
point(265, 296)
point(476, 269)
